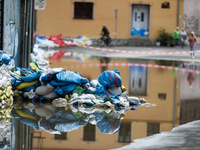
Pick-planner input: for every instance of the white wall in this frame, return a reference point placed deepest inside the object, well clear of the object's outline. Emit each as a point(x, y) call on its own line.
point(191, 19)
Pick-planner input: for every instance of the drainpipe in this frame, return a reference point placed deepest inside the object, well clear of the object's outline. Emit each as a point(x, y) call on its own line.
point(26, 34)
point(174, 112)
point(30, 32)
point(178, 13)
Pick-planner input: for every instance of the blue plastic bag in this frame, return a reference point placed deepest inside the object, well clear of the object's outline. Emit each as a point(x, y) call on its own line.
point(30, 122)
point(70, 77)
point(108, 78)
point(56, 83)
point(32, 77)
point(108, 127)
point(65, 90)
point(41, 37)
point(47, 78)
point(67, 126)
point(64, 114)
point(30, 71)
point(103, 92)
point(6, 58)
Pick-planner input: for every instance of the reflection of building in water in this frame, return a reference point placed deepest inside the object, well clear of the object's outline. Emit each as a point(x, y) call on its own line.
point(155, 85)
point(190, 96)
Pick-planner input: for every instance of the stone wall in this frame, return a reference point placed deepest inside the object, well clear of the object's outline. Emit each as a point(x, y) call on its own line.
point(191, 18)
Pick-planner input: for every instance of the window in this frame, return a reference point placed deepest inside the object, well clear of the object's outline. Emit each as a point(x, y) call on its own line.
point(142, 17)
point(153, 128)
point(125, 133)
point(83, 10)
point(135, 16)
point(89, 132)
point(62, 136)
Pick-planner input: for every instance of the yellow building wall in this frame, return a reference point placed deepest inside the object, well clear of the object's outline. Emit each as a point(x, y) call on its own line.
point(158, 81)
point(57, 17)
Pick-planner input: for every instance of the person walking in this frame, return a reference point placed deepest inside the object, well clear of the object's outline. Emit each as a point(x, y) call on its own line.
point(192, 40)
point(176, 36)
point(183, 36)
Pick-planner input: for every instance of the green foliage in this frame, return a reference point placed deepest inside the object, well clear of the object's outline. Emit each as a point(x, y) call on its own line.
point(164, 62)
point(165, 38)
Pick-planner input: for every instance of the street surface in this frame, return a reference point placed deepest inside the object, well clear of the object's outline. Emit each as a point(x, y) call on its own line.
point(183, 137)
point(172, 57)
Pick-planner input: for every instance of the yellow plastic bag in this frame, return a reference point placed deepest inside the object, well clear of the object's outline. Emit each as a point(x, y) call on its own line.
point(33, 66)
point(122, 116)
point(67, 97)
point(123, 88)
point(26, 84)
point(25, 115)
point(9, 91)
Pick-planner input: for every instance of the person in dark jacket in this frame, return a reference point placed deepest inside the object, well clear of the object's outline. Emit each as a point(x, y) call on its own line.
point(104, 32)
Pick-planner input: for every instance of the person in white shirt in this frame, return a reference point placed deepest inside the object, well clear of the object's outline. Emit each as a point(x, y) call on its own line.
point(183, 36)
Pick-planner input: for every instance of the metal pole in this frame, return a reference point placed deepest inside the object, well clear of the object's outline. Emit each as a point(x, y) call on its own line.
point(178, 13)
point(174, 113)
point(26, 34)
point(30, 33)
point(116, 12)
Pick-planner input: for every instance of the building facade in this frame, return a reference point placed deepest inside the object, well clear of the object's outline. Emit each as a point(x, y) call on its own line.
point(135, 19)
point(155, 85)
point(191, 20)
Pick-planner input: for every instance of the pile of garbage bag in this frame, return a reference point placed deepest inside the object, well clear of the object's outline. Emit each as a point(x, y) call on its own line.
point(38, 85)
point(55, 120)
point(58, 100)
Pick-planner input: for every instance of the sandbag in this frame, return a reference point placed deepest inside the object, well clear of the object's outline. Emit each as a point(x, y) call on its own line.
point(70, 77)
point(50, 96)
point(65, 90)
point(30, 122)
point(47, 78)
point(59, 102)
point(94, 83)
point(56, 83)
point(50, 107)
point(34, 67)
point(44, 90)
point(6, 58)
point(67, 127)
point(29, 89)
point(108, 127)
point(32, 77)
point(26, 84)
point(25, 115)
point(115, 90)
point(43, 112)
point(108, 78)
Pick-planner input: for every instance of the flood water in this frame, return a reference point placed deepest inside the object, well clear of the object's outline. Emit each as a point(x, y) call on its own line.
point(87, 122)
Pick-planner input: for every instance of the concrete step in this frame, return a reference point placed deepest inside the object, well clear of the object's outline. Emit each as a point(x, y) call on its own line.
point(140, 42)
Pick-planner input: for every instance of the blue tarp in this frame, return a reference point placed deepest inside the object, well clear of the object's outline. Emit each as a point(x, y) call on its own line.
point(141, 32)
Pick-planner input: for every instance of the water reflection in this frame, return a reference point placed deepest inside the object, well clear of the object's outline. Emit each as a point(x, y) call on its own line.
point(92, 109)
point(65, 116)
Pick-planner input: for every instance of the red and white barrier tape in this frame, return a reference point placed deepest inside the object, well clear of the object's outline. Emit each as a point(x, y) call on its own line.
point(139, 52)
point(133, 52)
point(131, 64)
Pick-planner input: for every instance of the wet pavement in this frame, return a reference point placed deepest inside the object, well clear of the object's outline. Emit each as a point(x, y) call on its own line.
point(140, 101)
point(172, 57)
